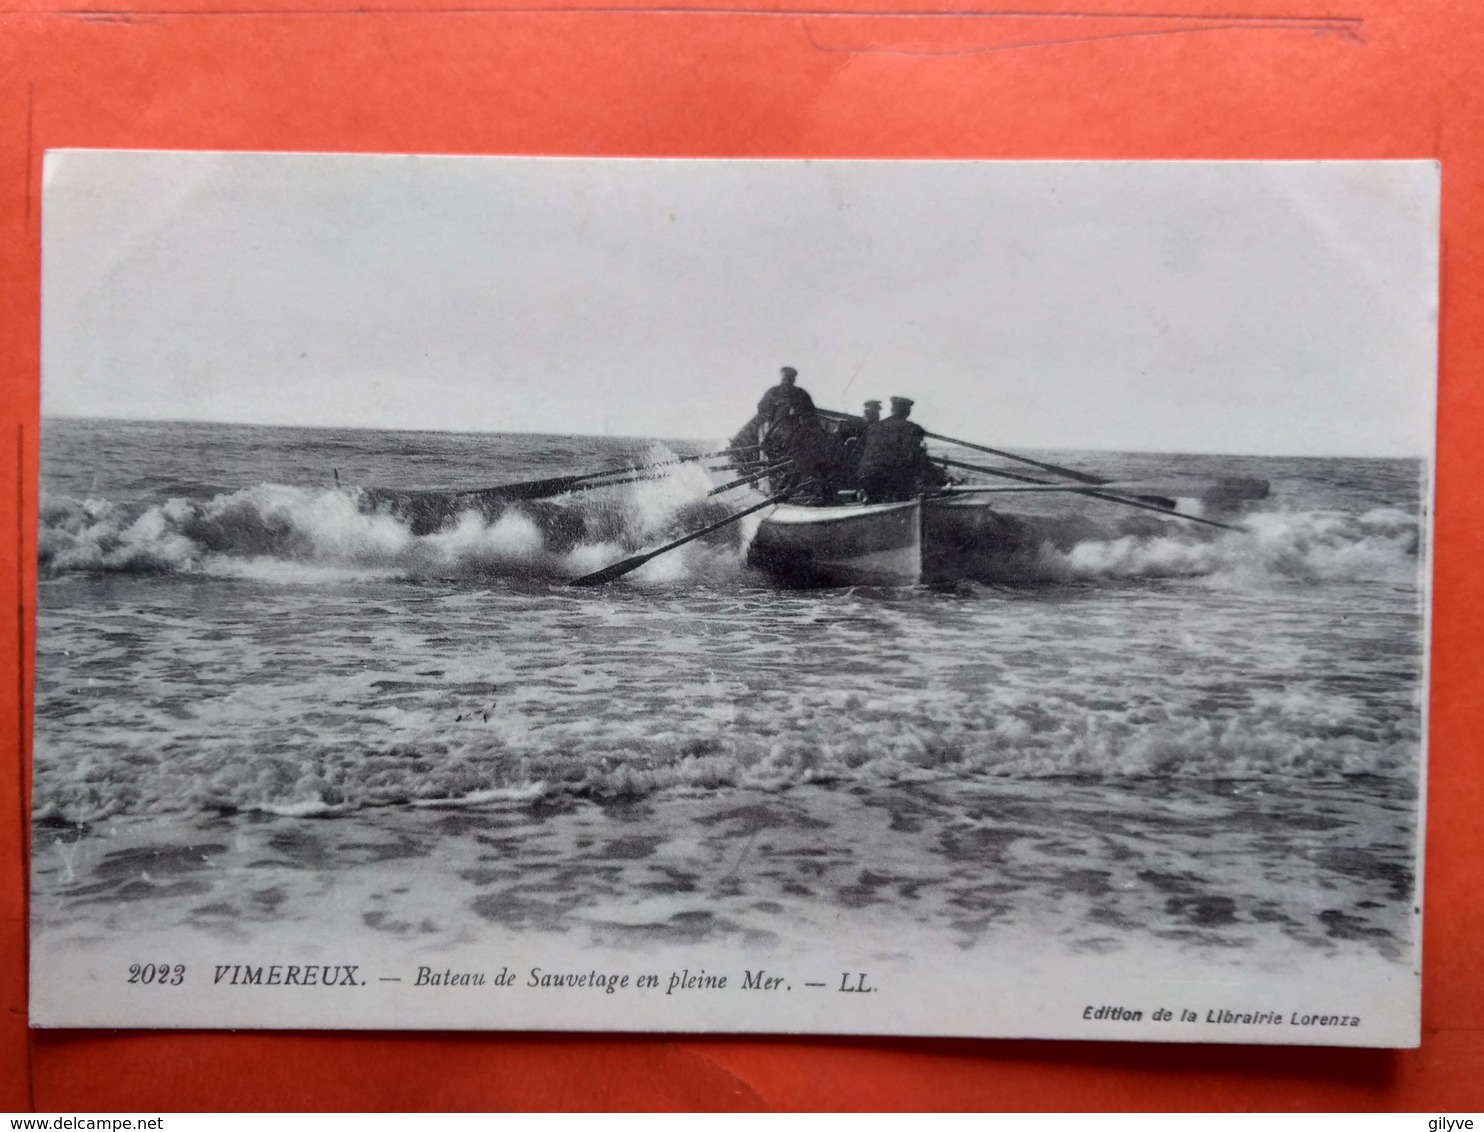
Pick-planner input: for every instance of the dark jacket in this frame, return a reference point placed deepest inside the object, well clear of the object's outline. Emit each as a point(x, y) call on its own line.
point(892, 447)
point(852, 429)
point(782, 399)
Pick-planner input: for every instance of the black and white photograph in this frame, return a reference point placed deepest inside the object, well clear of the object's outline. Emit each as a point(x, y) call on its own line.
point(840, 597)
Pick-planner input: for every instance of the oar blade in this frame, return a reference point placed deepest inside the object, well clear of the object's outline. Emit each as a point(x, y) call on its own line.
point(1146, 504)
point(532, 489)
point(1220, 489)
point(1217, 489)
point(610, 573)
point(1161, 501)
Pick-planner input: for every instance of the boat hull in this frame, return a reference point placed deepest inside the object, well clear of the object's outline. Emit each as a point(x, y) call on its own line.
point(851, 545)
point(895, 544)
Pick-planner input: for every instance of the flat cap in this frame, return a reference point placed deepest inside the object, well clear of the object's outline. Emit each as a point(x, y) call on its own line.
point(901, 402)
point(788, 371)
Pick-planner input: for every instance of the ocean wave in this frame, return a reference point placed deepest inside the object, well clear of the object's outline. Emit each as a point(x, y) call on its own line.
point(1271, 547)
point(427, 757)
point(272, 532)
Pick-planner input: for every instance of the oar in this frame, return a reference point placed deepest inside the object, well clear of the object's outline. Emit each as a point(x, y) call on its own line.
point(558, 485)
point(995, 489)
point(639, 478)
point(1156, 504)
point(619, 569)
point(1221, 489)
point(751, 477)
point(1125, 500)
point(657, 472)
point(1154, 501)
point(1070, 473)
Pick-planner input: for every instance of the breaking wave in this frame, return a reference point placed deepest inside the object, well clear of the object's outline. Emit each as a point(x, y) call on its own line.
point(425, 757)
point(275, 532)
point(1272, 547)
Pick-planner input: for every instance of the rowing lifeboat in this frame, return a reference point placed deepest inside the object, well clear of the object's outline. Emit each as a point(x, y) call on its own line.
point(886, 544)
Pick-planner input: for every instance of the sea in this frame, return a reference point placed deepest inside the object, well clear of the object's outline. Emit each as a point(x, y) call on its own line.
point(261, 709)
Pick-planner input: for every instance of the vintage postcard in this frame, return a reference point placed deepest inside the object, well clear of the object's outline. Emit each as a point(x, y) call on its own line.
point(959, 598)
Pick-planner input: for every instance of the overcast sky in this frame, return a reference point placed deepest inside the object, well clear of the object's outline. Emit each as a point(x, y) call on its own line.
point(1226, 307)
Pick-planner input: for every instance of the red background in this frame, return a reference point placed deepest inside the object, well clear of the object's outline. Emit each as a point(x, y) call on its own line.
point(1113, 79)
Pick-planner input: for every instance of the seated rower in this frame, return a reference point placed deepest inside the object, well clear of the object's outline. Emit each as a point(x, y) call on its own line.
point(853, 428)
point(894, 464)
point(816, 456)
point(852, 431)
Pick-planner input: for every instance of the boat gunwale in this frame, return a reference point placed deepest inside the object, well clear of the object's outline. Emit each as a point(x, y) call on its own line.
point(791, 514)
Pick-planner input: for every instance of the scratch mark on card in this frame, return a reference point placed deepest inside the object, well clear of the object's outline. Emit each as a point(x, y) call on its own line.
point(1344, 27)
point(742, 856)
point(742, 1086)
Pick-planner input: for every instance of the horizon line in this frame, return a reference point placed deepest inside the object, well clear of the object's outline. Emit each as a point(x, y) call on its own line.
point(1426, 457)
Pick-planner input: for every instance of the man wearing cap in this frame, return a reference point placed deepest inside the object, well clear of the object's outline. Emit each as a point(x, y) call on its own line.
point(853, 428)
point(894, 465)
point(783, 408)
point(788, 428)
point(785, 398)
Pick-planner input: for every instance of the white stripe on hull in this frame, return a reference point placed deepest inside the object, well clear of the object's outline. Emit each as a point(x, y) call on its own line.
point(823, 517)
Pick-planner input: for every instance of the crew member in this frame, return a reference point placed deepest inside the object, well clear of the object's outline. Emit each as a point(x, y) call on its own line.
point(785, 398)
point(768, 436)
point(894, 464)
point(853, 428)
point(788, 429)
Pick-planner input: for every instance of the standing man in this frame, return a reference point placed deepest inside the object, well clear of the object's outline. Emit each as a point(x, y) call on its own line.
point(787, 428)
point(779, 414)
point(894, 464)
point(785, 398)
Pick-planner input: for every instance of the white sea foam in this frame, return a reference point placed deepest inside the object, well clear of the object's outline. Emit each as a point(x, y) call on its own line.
point(1272, 547)
point(330, 536)
point(423, 755)
point(1255, 658)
